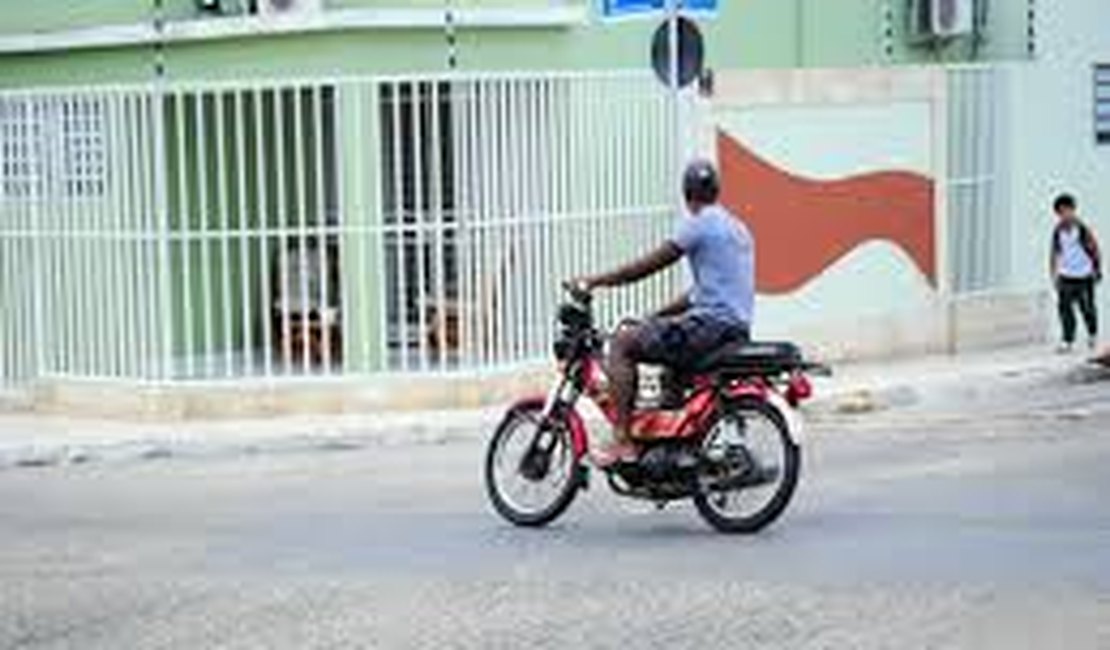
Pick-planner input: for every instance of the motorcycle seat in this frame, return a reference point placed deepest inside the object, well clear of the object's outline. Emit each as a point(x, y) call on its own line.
point(755, 358)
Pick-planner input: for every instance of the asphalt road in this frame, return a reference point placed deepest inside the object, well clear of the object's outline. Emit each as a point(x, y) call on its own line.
point(981, 521)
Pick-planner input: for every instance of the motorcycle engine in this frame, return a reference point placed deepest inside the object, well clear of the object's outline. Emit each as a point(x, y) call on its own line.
point(668, 462)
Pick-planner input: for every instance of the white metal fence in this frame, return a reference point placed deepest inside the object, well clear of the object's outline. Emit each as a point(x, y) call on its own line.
point(979, 233)
point(79, 235)
point(357, 226)
point(320, 227)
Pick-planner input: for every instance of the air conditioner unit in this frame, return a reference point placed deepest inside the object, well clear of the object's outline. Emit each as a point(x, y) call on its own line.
point(942, 19)
point(279, 8)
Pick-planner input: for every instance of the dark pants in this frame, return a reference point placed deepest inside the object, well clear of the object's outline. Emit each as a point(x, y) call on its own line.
point(1072, 291)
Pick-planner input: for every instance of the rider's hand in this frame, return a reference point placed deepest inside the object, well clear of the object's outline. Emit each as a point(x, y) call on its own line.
point(579, 288)
point(583, 284)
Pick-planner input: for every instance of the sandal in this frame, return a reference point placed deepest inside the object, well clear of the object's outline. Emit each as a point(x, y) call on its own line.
point(613, 453)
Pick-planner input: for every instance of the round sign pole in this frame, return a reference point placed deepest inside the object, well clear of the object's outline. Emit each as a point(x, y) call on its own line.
point(676, 103)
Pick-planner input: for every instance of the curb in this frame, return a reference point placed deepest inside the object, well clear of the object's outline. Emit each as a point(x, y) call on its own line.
point(43, 452)
point(344, 433)
point(411, 430)
point(874, 396)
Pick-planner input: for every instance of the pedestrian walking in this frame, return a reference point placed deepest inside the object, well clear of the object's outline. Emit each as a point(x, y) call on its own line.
point(1075, 265)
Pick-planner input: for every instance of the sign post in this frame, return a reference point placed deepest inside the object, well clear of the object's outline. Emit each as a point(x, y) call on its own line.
point(677, 52)
point(676, 98)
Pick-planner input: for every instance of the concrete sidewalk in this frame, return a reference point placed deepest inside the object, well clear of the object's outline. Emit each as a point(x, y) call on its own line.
point(38, 441)
point(932, 380)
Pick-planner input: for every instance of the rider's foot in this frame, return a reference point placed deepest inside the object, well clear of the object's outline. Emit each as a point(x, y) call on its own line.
point(613, 453)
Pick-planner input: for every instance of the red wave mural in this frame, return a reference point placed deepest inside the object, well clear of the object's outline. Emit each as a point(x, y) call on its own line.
point(803, 226)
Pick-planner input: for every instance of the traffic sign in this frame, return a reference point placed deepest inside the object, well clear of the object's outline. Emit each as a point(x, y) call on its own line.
point(621, 8)
point(691, 52)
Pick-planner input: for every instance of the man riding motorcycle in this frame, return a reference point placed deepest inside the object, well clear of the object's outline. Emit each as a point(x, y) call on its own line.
point(717, 310)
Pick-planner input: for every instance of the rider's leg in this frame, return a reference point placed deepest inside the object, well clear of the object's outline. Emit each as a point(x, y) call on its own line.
point(622, 379)
point(621, 369)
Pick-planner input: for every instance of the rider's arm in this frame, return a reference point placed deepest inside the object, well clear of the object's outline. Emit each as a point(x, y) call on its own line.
point(649, 264)
point(679, 306)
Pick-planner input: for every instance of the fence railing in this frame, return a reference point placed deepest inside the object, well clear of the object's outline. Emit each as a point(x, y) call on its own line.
point(320, 227)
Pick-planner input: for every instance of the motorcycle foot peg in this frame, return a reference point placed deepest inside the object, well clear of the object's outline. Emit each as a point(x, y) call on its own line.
point(583, 477)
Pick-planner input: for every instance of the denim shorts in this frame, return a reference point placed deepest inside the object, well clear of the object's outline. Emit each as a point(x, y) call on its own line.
point(679, 341)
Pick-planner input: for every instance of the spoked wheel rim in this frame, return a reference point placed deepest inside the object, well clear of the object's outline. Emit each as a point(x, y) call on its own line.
point(752, 440)
point(538, 493)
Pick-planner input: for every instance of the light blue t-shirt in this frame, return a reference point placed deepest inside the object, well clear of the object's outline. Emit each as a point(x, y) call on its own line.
point(721, 254)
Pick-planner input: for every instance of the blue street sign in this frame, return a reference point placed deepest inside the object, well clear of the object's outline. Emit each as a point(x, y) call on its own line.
point(619, 8)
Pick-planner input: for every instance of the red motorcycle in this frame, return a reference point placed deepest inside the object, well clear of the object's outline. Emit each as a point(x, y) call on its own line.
point(723, 430)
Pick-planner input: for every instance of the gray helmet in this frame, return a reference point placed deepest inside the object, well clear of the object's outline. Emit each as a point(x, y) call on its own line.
point(700, 182)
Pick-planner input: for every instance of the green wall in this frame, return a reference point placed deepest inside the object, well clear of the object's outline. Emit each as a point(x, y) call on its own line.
point(52, 15)
point(361, 247)
point(56, 15)
point(746, 33)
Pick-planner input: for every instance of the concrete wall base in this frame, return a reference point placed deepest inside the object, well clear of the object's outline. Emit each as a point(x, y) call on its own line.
point(996, 320)
point(260, 399)
point(967, 323)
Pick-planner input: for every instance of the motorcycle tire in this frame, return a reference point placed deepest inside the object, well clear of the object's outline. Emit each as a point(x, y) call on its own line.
point(792, 462)
point(503, 506)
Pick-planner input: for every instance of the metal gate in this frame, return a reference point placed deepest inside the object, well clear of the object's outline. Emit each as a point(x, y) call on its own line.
point(324, 227)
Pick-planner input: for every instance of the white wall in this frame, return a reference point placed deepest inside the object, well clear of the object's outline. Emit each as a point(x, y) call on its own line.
point(848, 129)
point(1053, 135)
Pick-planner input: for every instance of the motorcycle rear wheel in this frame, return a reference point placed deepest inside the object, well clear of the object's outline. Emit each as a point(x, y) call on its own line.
point(709, 503)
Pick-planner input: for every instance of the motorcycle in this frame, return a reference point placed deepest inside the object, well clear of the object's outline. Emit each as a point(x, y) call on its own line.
point(723, 430)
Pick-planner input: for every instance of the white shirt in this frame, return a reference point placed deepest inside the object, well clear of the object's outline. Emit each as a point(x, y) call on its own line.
point(1074, 262)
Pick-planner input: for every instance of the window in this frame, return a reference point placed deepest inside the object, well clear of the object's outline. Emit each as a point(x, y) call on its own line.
point(1102, 104)
point(23, 141)
point(31, 130)
point(82, 171)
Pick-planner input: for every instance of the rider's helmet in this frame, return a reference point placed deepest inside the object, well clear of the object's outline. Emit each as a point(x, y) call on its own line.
point(700, 182)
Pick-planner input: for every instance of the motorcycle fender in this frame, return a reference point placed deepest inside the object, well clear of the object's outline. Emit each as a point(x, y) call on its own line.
point(795, 426)
point(578, 436)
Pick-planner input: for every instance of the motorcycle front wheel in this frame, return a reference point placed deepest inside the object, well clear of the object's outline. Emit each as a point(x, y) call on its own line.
point(531, 484)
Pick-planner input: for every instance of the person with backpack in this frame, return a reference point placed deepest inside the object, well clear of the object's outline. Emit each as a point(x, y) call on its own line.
point(1075, 265)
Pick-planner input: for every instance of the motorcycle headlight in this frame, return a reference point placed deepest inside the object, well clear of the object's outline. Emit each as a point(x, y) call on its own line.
point(574, 317)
